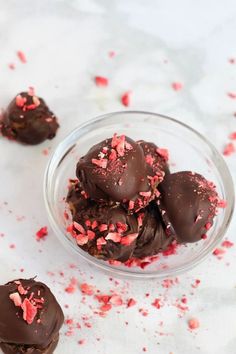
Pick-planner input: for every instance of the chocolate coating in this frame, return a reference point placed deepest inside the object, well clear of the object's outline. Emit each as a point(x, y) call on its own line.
point(188, 205)
point(28, 120)
point(147, 224)
point(115, 170)
point(22, 335)
point(156, 158)
point(101, 221)
point(152, 237)
point(27, 349)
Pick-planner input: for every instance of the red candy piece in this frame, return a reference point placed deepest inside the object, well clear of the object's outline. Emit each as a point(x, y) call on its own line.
point(227, 244)
point(229, 149)
point(82, 239)
point(193, 323)
point(131, 302)
point(87, 289)
point(125, 99)
point(163, 153)
point(21, 56)
point(232, 95)
point(20, 101)
point(232, 136)
point(79, 227)
point(42, 233)
point(29, 311)
point(177, 86)
point(101, 81)
point(156, 303)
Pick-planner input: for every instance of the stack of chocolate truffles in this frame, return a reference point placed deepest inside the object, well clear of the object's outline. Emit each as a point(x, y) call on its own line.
point(125, 202)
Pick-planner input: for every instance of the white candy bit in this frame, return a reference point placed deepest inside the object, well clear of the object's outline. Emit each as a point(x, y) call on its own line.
point(113, 236)
point(48, 119)
point(15, 297)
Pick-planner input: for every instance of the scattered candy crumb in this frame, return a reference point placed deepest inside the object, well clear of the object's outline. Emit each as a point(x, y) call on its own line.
point(21, 56)
point(125, 99)
point(177, 86)
point(232, 95)
point(101, 81)
point(193, 323)
point(11, 66)
point(111, 54)
point(42, 233)
point(229, 149)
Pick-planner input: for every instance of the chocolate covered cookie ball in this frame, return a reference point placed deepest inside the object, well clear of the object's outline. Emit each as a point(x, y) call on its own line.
point(30, 318)
point(104, 231)
point(116, 170)
point(188, 205)
point(28, 120)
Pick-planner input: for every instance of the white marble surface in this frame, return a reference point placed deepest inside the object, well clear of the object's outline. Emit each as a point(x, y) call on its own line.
point(156, 42)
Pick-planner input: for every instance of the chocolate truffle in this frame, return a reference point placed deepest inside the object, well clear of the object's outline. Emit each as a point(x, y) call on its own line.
point(30, 318)
point(152, 237)
point(108, 232)
point(188, 205)
point(115, 170)
point(104, 231)
point(28, 120)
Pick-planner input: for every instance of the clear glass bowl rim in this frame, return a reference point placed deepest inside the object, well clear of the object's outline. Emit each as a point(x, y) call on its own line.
point(222, 169)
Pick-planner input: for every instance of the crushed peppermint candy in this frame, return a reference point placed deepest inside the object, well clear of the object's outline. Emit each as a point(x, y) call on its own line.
point(42, 233)
point(100, 163)
point(232, 95)
point(229, 149)
point(125, 99)
point(72, 286)
point(21, 56)
point(227, 244)
point(101, 81)
point(29, 311)
point(11, 66)
point(193, 323)
point(87, 289)
point(177, 86)
point(163, 153)
point(20, 101)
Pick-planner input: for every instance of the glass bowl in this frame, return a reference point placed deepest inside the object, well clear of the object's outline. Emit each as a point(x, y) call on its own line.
point(188, 150)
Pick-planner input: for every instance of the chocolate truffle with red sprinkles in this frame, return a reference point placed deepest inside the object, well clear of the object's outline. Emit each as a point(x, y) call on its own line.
point(116, 170)
point(30, 318)
point(104, 231)
point(28, 120)
point(188, 204)
point(108, 232)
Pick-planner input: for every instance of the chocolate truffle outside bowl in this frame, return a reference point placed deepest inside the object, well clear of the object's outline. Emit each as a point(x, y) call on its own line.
point(188, 150)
